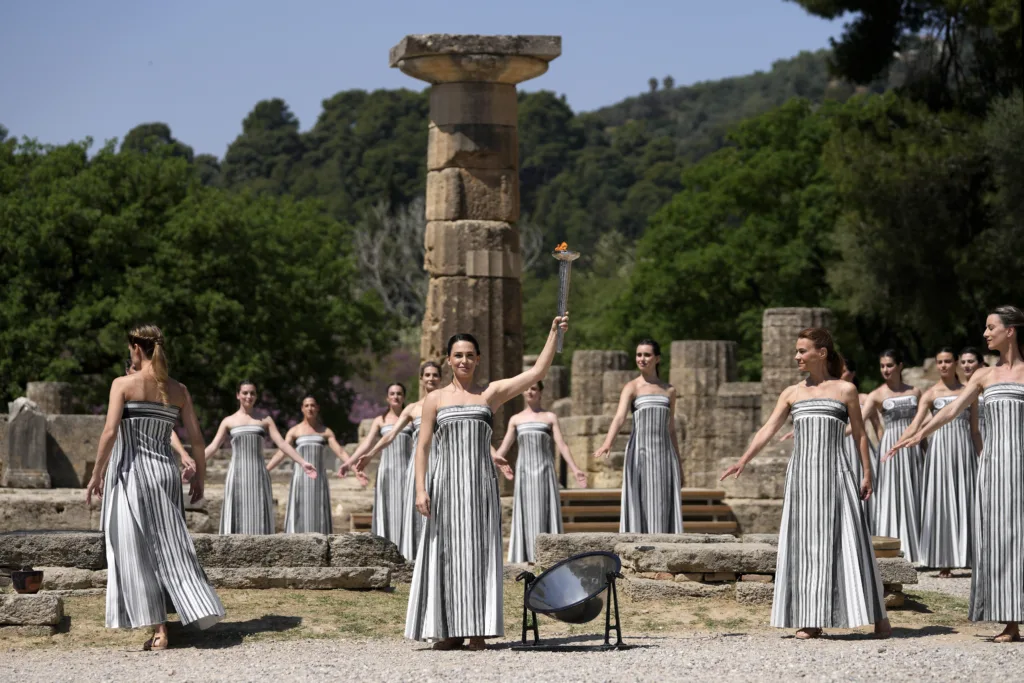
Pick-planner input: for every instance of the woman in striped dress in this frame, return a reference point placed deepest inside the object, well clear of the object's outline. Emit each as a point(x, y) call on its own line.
point(651, 480)
point(997, 574)
point(950, 469)
point(149, 550)
point(309, 500)
point(970, 361)
point(456, 590)
point(536, 505)
point(826, 572)
point(897, 509)
point(850, 448)
point(389, 488)
point(412, 521)
point(248, 498)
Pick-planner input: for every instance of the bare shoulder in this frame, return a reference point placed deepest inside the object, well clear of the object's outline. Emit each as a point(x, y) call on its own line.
point(177, 393)
point(671, 391)
point(848, 391)
point(982, 376)
point(549, 417)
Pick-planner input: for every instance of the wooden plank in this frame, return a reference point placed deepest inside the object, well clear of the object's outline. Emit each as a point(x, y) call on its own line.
point(702, 494)
point(706, 510)
point(616, 494)
point(584, 510)
point(688, 527)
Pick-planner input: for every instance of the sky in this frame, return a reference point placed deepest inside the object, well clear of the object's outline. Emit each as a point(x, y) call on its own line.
point(73, 69)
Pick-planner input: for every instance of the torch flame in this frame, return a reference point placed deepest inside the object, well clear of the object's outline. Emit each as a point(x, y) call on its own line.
point(562, 247)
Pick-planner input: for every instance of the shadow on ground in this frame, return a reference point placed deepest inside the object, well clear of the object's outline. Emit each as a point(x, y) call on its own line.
point(229, 633)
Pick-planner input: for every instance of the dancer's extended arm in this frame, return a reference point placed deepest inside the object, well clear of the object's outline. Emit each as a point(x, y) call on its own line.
point(764, 434)
point(563, 449)
point(501, 391)
point(968, 397)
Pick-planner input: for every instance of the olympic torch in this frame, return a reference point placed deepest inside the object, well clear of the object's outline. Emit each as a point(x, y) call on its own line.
point(565, 259)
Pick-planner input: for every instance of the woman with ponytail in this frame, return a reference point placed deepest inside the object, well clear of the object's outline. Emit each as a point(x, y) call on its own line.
point(897, 508)
point(248, 498)
point(997, 573)
point(149, 550)
point(826, 573)
point(651, 478)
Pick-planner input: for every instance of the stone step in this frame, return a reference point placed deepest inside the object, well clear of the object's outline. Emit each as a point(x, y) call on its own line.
point(301, 578)
point(552, 548)
point(616, 494)
point(696, 527)
point(570, 511)
point(31, 610)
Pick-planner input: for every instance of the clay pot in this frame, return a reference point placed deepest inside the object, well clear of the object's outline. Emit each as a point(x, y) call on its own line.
point(27, 581)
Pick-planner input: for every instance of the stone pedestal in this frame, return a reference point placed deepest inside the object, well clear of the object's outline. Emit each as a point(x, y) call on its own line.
point(25, 465)
point(53, 398)
point(472, 204)
point(588, 369)
point(699, 368)
point(556, 384)
point(779, 328)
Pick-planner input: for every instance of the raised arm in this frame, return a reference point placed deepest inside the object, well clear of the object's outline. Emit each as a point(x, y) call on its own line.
point(275, 436)
point(502, 390)
point(924, 408)
point(364, 445)
point(563, 449)
point(625, 400)
point(115, 406)
point(967, 397)
point(222, 431)
point(427, 420)
point(775, 422)
point(195, 437)
point(404, 419)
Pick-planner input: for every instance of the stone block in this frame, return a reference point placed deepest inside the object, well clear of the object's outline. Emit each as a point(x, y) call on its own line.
point(472, 145)
point(769, 539)
point(552, 548)
point(757, 578)
point(53, 398)
point(31, 610)
point(562, 407)
point(364, 550)
point(301, 578)
point(26, 631)
point(719, 577)
point(779, 328)
point(46, 509)
point(67, 578)
point(493, 104)
point(708, 558)
point(85, 550)
point(25, 456)
point(641, 590)
point(469, 247)
point(278, 550)
point(699, 367)
point(896, 570)
point(612, 382)
point(755, 593)
point(587, 377)
point(71, 448)
point(689, 576)
point(894, 600)
point(412, 46)
point(756, 515)
point(764, 477)
point(456, 194)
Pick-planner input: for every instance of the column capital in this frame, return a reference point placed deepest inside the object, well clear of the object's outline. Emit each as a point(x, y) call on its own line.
point(447, 58)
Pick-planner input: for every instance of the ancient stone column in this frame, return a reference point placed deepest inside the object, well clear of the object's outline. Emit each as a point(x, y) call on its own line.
point(53, 398)
point(699, 368)
point(779, 328)
point(472, 243)
point(25, 459)
point(588, 368)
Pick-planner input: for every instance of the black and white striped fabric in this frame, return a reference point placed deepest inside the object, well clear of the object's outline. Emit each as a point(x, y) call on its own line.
point(947, 495)
point(981, 418)
point(309, 500)
point(412, 520)
point(389, 491)
point(149, 551)
point(826, 573)
point(536, 504)
point(897, 512)
point(248, 496)
point(651, 482)
point(456, 589)
point(856, 467)
point(997, 579)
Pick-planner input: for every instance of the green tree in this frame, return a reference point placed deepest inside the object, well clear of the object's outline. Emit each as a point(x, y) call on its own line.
point(150, 137)
point(263, 156)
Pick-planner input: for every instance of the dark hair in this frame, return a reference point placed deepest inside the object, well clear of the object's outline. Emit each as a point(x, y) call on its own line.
point(462, 337)
point(656, 348)
point(430, 364)
point(972, 351)
point(127, 364)
point(1011, 316)
point(851, 366)
point(247, 381)
point(309, 396)
point(540, 384)
point(822, 339)
point(947, 349)
point(896, 356)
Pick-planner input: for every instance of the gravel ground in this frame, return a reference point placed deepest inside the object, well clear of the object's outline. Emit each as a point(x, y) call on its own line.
point(958, 586)
point(755, 657)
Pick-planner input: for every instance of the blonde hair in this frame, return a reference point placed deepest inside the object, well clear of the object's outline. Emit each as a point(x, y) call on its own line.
point(150, 339)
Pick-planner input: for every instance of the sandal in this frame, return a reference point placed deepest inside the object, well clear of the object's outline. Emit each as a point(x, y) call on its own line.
point(808, 633)
point(883, 632)
point(477, 644)
point(945, 574)
point(156, 642)
point(448, 644)
point(1007, 636)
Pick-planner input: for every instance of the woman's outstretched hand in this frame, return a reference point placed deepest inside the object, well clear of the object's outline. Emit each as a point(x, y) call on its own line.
point(602, 452)
point(503, 466)
point(735, 471)
point(581, 479)
point(310, 469)
point(865, 488)
point(788, 436)
point(95, 487)
point(904, 442)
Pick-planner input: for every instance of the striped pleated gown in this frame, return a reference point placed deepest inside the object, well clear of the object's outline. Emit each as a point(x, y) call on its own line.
point(947, 495)
point(150, 555)
point(826, 573)
point(897, 512)
point(981, 418)
point(651, 500)
point(412, 520)
point(248, 497)
point(309, 500)
point(456, 589)
point(997, 578)
point(389, 491)
point(857, 468)
point(536, 504)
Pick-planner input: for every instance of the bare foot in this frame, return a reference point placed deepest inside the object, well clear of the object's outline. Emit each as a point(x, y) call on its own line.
point(808, 633)
point(448, 644)
point(945, 574)
point(883, 629)
point(477, 644)
point(1010, 634)
point(157, 642)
